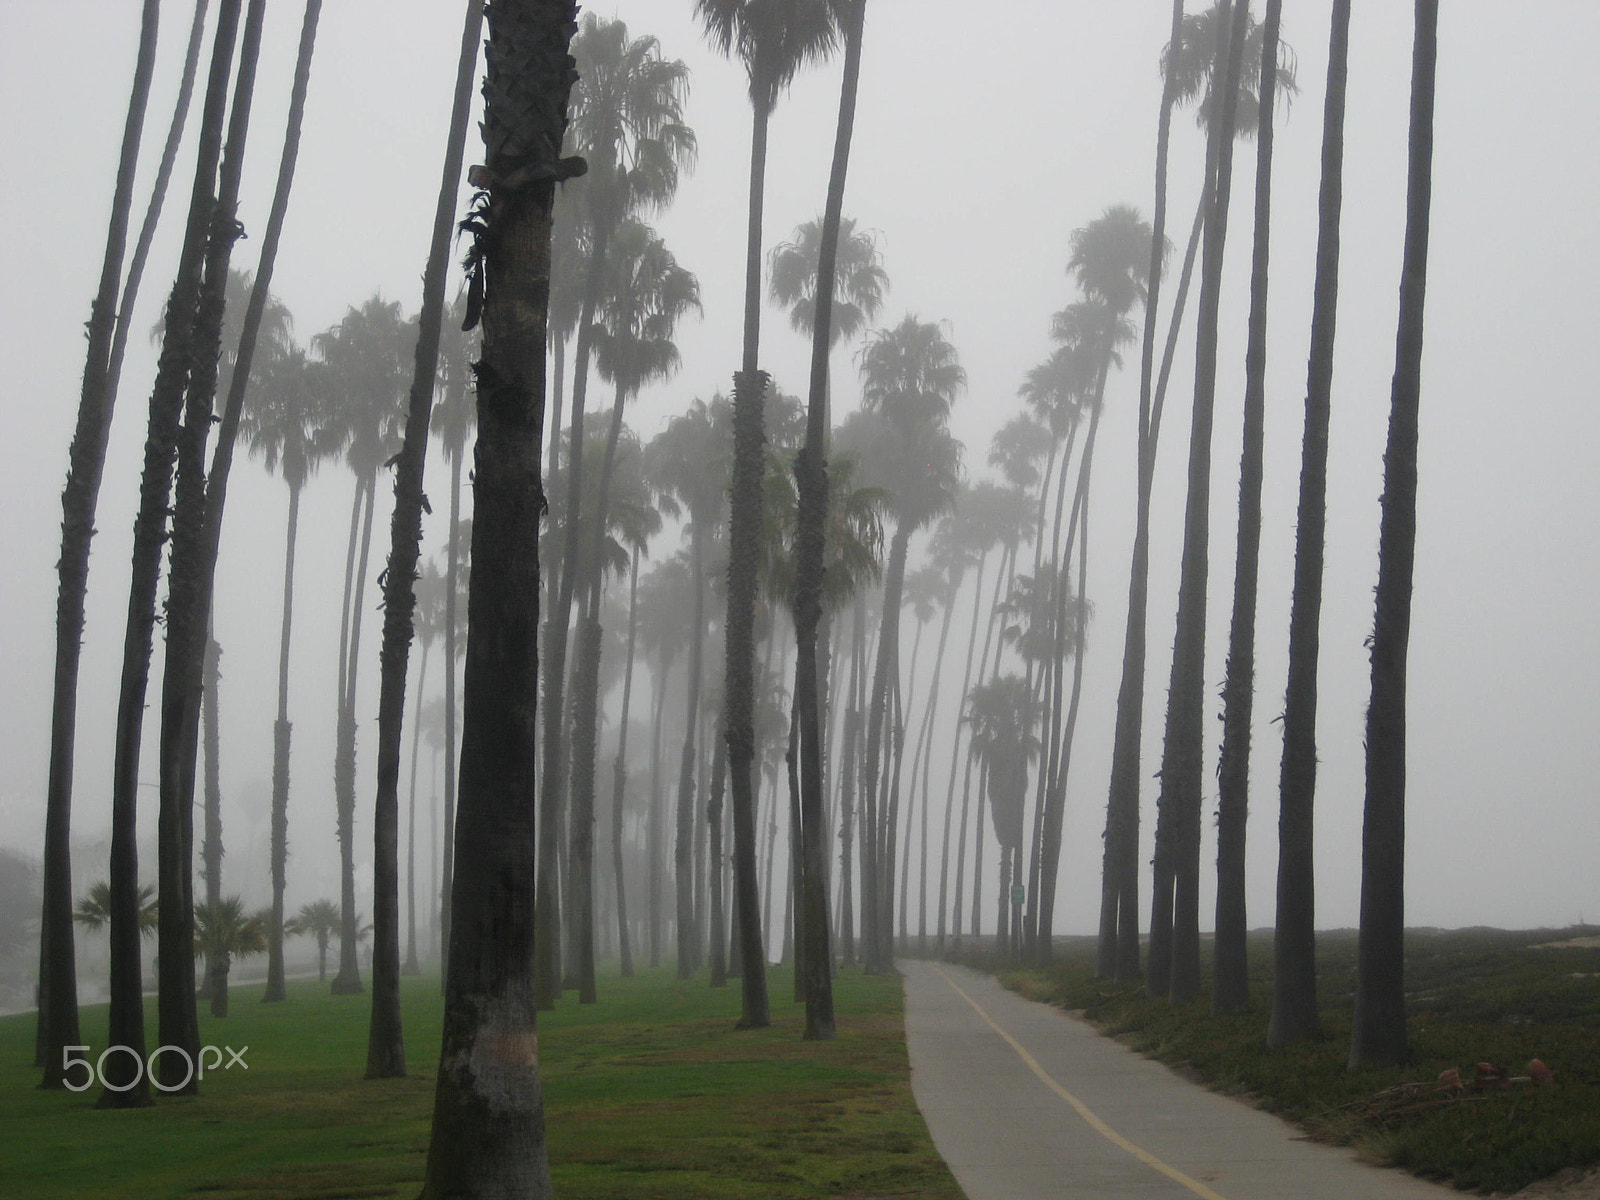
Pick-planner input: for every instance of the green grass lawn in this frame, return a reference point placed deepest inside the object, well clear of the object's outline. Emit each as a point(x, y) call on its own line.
point(649, 1093)
point(1474, 995)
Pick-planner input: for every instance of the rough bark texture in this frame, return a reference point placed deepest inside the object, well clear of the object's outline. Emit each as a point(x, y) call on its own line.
point(386, 1055)
point(1230, 988)
point(488, 1125)
point(58, 984)
point(1294, 974)
point(1379, 1034)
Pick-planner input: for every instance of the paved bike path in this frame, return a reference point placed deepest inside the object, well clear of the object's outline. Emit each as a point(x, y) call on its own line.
point(1025, 1102)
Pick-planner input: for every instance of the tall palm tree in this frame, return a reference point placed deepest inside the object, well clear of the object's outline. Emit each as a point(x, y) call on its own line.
point(910, 377)
point(1109, 261)
point(773, 39)
point(1294, 972)
point(1175, 909)
point(1379, 1034)
point(386, 1043)
point(690, 464)
point(1230, 989)
point(366, 359)
point(1189, 68)
point(627, 121)
point(286, 424)
point(454, 417)
point(58, 985)
point(488, 1125)
point(178, 353)
point(429, 620)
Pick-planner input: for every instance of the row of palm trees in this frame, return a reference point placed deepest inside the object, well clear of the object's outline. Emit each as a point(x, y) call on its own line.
point(808, 516)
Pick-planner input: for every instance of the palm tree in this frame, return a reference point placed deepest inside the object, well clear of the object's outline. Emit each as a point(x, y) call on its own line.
point(93, 911)
point(910, 377)
point(1189, 67)
point(1175, 908)
point(488, 1126)
point(1108, 260)
point(1294, 972)
point(1379, 1034)
point(178, 354)
point(321, 920)
point(454, 417)
point(58, 985)
point(1230, 989)
point(689, 462)
point(773, 39)
point(365, 355)
point(627, 120)
point(223, 931)
point(286, 424)
point(429, 618)
point(386, 1042)
point(1003, 714)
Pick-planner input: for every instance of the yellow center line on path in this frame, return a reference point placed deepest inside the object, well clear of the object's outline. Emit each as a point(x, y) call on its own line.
point(1082, 1109)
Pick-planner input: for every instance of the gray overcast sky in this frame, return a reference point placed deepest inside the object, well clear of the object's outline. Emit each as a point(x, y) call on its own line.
point(985, 136)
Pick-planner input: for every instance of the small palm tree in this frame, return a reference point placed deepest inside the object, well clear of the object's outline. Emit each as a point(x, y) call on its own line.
point(93, 912)
point(224, 931)
point(319, 919)
point(1003, 714)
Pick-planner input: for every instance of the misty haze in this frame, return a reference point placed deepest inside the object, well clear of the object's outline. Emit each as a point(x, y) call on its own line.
point(839, 534)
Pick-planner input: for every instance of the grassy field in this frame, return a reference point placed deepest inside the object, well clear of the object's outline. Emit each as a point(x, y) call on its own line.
point(1476, 995)
point(650, 1093)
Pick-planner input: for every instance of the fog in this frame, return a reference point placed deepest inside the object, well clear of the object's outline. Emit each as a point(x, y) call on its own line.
point(981, 142)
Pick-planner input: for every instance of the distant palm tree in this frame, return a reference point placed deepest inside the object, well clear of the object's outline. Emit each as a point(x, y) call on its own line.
point(93, 912)
point(286, 423)
point(690, 464)
point(1004, 715)
point(223, 931)
point(321, 920)
point(910, 377)
point(366, 360)
point(429, 620)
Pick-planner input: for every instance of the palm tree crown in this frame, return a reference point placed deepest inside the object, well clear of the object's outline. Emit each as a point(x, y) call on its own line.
point(859, 279)
point(774, 39)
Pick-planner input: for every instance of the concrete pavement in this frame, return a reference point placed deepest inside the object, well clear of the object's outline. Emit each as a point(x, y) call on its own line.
point(1025, 1102)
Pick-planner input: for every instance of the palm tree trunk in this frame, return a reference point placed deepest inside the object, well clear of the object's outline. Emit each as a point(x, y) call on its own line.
point(348, 979)
point(211, 847)
point(386, 1057)
point(1230, 989)
point(1118, 947)
point(580, 808)
point(1379, 1033)
point(488, 1122)
point(451, 571)
point(683, 848)
point(281, 730)
point(411, 966)
point(1294, 974)
point(873, 934)
point(955, 751)
point(1175, 910)
point(619, 774)
point(653, 820)
point(718, 955)
point(977, 856)
point(744, 549)
point(58, 985)
point(548, 941)
point(166, 403)
point(925, 754)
